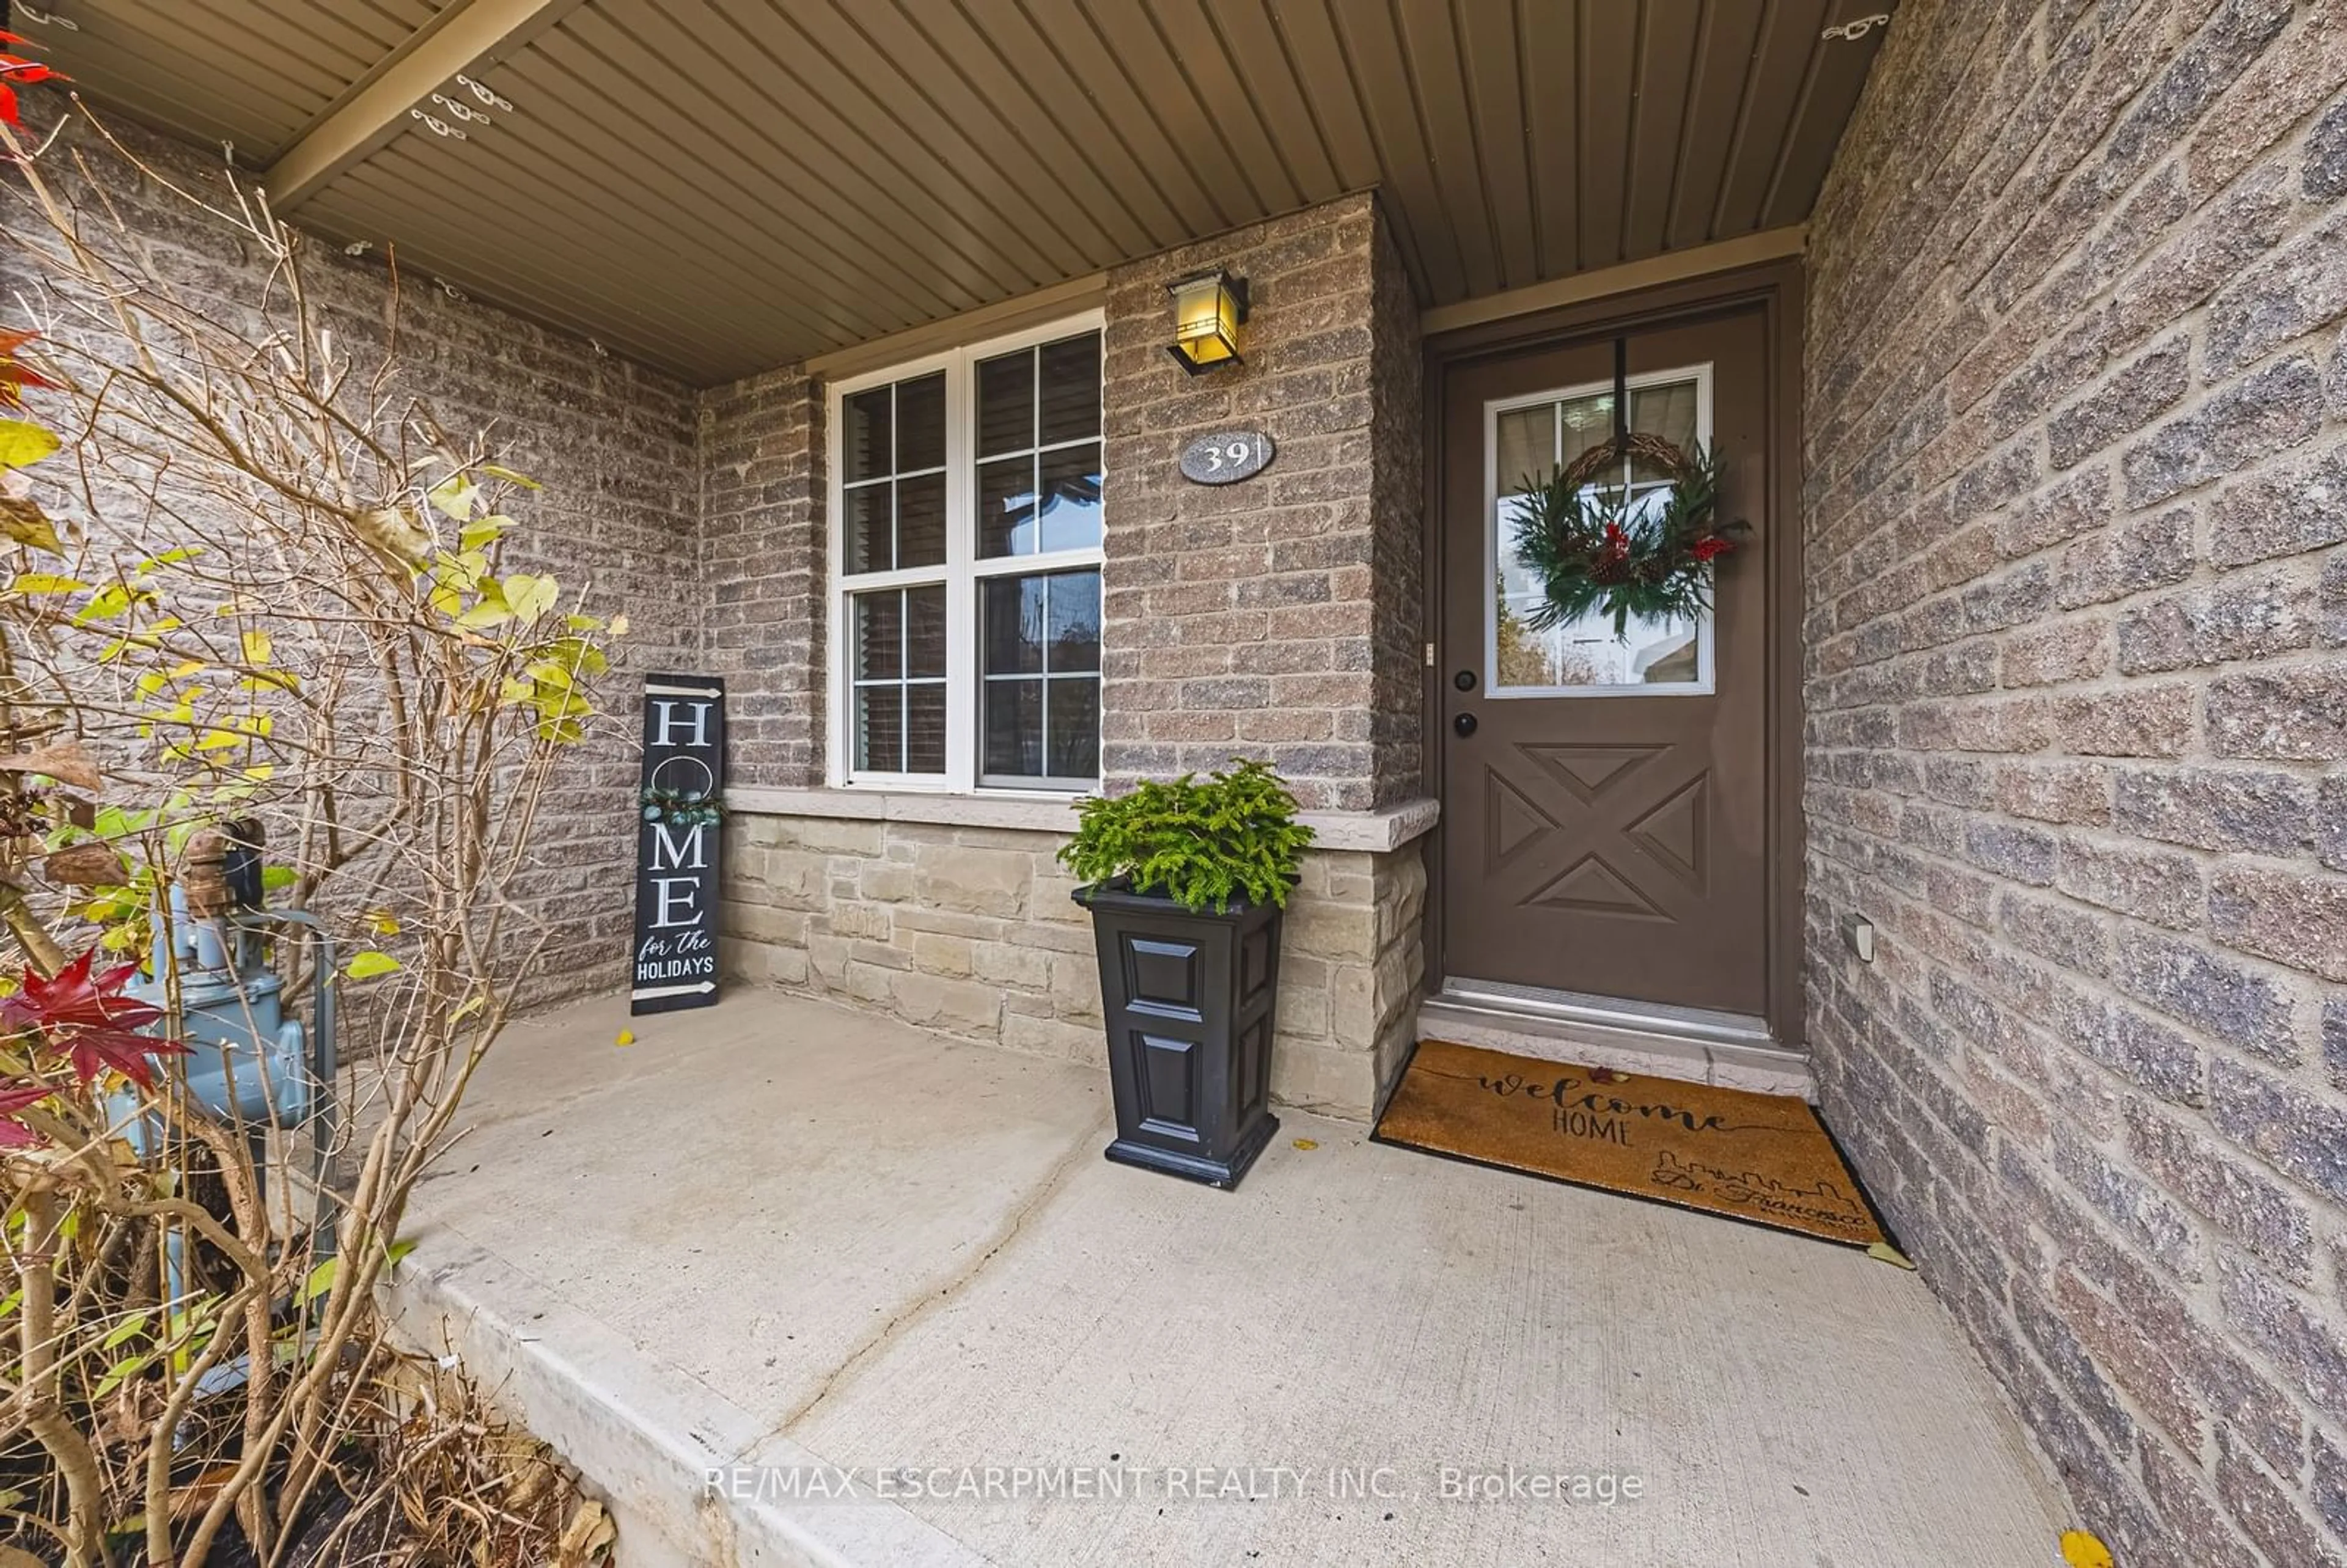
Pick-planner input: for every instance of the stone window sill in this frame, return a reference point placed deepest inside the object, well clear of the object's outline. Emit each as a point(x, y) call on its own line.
point(1372, 831)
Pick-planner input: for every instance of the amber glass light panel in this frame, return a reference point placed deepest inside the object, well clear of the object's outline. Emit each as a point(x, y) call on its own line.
point(1207, 311)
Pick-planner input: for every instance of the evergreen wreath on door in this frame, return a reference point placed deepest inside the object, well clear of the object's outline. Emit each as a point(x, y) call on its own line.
point(1597, 549)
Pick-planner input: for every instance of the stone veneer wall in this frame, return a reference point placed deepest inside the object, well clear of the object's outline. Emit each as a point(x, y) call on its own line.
point(971, 932)
point(2077, 402)
point(612, 443)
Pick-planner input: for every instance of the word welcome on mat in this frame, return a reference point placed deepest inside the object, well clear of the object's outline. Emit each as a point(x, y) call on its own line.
point(1765, 1158)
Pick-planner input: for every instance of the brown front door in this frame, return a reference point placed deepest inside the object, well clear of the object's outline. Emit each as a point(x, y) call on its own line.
point(1606, 801)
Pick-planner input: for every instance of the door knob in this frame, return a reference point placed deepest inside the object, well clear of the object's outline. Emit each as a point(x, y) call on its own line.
point(1463, 725)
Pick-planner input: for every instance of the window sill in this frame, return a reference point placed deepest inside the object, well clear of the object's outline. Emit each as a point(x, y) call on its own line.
point(1374, 832)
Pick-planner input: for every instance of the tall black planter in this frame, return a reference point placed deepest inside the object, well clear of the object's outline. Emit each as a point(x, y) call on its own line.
point(1189, 1002)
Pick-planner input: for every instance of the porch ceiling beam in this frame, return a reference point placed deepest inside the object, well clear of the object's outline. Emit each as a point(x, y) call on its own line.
point(1670, 267)
point(372, 110)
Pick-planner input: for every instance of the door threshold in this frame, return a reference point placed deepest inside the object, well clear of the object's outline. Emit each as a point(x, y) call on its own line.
point(1691, 1044)
point(1610, 1012)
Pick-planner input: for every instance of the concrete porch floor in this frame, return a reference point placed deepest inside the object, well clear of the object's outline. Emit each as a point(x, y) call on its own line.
point(782, 1233)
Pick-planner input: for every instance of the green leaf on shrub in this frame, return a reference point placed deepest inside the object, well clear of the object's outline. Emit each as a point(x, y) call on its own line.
point(322, 1277)
point(1234, 837)
point(125, 1331)
point(453, 497)
point(121, 1372)
point(528, 597)
point(45, 582)
point(367, 965)
point(482, 532)
point(321, 1280)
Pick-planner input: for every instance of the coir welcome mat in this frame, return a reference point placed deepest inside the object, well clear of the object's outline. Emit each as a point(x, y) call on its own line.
point(1765, 1158)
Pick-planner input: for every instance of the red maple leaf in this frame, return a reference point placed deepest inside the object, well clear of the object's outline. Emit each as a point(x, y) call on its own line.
point(17, 68)
point(14, 1135)
point(15, 374)
point(94, 1051)
point(89, 1018)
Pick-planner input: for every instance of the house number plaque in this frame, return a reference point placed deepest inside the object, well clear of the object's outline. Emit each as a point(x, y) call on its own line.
point(1227, 456)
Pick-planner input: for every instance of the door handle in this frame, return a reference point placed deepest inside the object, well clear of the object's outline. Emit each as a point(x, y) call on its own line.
point(1463, 725)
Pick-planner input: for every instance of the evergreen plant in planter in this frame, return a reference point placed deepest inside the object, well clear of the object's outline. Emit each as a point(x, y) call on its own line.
point(1185, 882)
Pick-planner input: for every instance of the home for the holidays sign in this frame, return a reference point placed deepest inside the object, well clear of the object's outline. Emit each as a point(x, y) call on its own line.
point(676, 844)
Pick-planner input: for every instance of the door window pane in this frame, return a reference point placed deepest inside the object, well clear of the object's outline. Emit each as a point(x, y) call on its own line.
point(1039, 665)
point(1527, 447)
point(1586, 422)
point(1668, 412)
point(1585, 654)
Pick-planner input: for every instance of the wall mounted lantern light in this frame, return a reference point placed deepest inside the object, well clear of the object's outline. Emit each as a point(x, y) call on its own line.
point(1207, 311)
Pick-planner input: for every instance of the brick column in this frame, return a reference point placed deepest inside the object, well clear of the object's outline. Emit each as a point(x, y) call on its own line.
point(1277, 618)
point(762, 549)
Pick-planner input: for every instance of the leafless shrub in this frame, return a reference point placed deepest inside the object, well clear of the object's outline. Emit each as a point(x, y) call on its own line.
point(257, 597)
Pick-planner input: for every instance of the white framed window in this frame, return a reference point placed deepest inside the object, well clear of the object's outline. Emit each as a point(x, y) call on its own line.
point(965, 556)
point(1525, 441)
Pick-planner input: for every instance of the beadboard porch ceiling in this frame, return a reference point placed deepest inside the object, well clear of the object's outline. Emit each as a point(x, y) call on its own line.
point(715, 186)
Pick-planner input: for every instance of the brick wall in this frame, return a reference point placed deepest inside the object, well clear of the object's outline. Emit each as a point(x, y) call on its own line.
point(1275, 617)
point(612, 443)
point(763, 537)
point(2078, 715)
